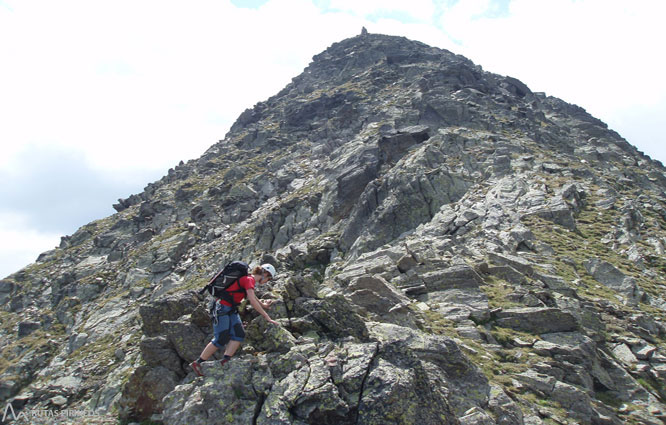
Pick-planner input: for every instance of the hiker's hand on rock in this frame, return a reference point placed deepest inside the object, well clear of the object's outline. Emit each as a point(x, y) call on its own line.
point(272, 322)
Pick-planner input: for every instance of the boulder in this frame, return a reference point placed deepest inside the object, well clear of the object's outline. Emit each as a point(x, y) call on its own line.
point(558, 213)
point(574, 401)
point(267, 337)
point(352, 363)
point(6, 288)
point(157, 351)
point(476, 416)
point(167, 308)
point(375, 295)
point(503, 407)
point(406, 263)
point(320, 400)
point(643, 351)
point(524, 266)
point(393, 147)
point(459, 304)
point(507, 273)
point(232, 394)
point(457, 276)
point(446, 365)
point(306, 394)
point(623, 353)
point(144, 393)
point(398, 388)
point(333, 316)
point(536, 320)
point(186, 338)
point(27, 327)
point(608, 275)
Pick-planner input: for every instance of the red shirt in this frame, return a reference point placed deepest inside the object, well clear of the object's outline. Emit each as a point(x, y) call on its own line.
point(245, 282)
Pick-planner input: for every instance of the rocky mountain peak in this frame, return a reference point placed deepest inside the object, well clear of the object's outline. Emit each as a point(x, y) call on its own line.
point(452, 248)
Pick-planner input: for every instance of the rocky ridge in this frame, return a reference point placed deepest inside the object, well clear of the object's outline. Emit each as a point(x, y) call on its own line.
point(453, 248)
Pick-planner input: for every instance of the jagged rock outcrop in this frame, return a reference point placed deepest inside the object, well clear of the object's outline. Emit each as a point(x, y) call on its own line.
point(452, 248)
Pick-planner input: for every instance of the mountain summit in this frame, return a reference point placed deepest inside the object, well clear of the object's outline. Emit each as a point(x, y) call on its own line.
point(452, 248)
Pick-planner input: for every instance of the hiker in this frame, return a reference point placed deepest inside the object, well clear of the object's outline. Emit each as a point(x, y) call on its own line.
point(227, 325)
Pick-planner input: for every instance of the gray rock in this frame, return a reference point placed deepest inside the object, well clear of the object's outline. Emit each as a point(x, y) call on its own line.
point(136, 276)
point(6, 288)
point(575, 401)
point(522, 265)
point(77, 341)
point(458, 276)
point(376, 295)
point(26, 328)
point(460, 304)
point(476, 416)
point(187, 339)
point(608, 275)
point(503, 407)
point(267, 337)
point(406, 263)
point(643, 352)
point(624, 354)
point(8, 388)
point(157, 351)
point(393, 147)
point(144, 393)
point(507, 273)
point(442, 358)
point(557, 212)
point(333, 315)
point(537, 320)
point(537, 382)
point(167, 308)
point(119, 354)
point(305, 394)
point(234, 393)
point(398, 390)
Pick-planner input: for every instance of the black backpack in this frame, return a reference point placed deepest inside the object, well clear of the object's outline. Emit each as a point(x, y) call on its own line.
point(220, 283)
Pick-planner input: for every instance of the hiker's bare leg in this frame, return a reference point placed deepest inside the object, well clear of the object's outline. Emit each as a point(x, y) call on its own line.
point(208, 351)
point(232, 346)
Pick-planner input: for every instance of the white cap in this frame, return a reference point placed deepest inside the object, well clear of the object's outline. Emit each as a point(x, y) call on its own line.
point(270, 269)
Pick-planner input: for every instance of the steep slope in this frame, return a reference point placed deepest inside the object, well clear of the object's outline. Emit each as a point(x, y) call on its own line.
point(453, 248)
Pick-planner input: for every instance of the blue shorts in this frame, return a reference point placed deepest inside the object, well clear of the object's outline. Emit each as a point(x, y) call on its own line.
point(228, 326)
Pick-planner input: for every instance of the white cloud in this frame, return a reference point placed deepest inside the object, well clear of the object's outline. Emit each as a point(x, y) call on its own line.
point(146, 84)
point(422, 10)
point(139, 84)
point(602, 55)
point(21, 244)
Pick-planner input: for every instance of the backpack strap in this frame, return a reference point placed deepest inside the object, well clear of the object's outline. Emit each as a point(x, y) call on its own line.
point(210, 283)
point(227, 294)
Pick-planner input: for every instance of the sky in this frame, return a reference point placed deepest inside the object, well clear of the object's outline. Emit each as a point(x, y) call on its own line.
point(99, 98)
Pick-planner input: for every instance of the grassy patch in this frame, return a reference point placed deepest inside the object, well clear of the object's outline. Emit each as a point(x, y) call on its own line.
point(101, 352)
point(193, 283)
point(507, 337)
point(654, 386)
point(435, 323)
point(497, 290)
point(608, 398)
point(39, 341)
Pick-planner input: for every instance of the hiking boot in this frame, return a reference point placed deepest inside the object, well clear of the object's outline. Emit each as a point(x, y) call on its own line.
point(197, 367)
point(224, 360)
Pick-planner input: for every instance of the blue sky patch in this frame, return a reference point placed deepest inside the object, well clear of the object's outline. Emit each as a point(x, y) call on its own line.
point(249, 4)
